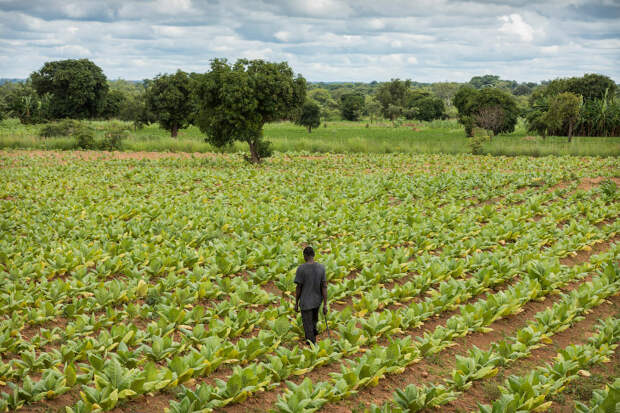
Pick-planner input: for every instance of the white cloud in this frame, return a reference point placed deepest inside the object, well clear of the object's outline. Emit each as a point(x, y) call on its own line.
point(515, 25)
point(550, 49)
point(72, 51)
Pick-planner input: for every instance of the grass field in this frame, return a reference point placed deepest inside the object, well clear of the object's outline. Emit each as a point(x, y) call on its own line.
point(135, 282)
point(338, 137)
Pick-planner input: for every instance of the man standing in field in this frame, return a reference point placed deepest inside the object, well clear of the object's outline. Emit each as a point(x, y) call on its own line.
point(311, 290)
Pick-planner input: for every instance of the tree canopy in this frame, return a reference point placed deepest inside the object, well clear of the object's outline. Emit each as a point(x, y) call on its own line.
point(168, 97)
point(563, 111)
point(235, 101)
point(352, 106)
point(77, 88)
point(393, 93)
point(422, 105)
point(310, 116)
point(475, 105)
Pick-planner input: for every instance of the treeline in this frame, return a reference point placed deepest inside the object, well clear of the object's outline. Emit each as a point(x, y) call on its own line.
point(78, 89)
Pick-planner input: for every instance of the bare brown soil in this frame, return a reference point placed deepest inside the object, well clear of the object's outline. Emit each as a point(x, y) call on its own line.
point(581, 388)
point(584, 255)
point(155, 403)
point(106, 155)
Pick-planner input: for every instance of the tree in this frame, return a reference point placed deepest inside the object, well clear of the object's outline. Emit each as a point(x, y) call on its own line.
point(393, 93)
point(591, 86)
point(463, 99)
point(490, 118)
point(481, 82)
point(352, 106)
point(472, 105)
point(522, 90)
point(373, 107)
point(77, 88)
point(564, 110)
point(393, 111)
point(235, 101)
point(310, 115)
point(327, 104)
point(169, 99)
point(112, 105)
point(445, 91)
point(23, 102)
point(537, 114)
point(422, 105)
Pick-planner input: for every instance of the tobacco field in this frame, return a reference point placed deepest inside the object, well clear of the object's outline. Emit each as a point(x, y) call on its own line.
point(457, 283)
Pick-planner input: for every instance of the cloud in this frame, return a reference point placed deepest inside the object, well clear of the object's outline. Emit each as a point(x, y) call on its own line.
point(325, 40)
point(514, 24)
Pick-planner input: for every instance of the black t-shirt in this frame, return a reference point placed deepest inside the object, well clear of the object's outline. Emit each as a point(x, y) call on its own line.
point(310, 277)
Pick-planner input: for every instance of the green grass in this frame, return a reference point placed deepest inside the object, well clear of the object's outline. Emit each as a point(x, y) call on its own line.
point(332, 137)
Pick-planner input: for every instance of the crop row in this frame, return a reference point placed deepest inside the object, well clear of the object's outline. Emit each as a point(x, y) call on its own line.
point(480, 364)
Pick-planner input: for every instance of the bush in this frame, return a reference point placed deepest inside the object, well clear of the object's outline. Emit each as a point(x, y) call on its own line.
point(113, 138)
point(265, 149)
point(66, 127)
point(477, 140)
point(85, 139)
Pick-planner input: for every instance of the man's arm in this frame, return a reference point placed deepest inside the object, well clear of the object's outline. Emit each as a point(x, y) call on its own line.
point(297, 296)
point(324, 293)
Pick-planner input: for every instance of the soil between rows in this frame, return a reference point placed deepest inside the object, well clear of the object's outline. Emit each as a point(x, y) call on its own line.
point(437, 367)
point(485, 391)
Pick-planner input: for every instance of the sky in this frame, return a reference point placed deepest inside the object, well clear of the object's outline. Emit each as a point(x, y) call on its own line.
point(324, 40)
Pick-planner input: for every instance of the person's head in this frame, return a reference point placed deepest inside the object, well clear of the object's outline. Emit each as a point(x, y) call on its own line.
point(308, 253)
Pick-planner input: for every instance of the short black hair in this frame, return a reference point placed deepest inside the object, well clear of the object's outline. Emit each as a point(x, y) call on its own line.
point(308, 252)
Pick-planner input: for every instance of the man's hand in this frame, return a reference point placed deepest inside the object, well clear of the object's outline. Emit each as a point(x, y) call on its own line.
point(324, 309)
point(296, 307)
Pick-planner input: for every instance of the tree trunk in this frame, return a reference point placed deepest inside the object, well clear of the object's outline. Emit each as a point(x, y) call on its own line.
point(309, 129)
point(174, 131)
point(254, 151)
point(570, 132)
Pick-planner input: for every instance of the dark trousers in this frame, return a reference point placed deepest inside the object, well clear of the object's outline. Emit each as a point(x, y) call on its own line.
point(310, 318)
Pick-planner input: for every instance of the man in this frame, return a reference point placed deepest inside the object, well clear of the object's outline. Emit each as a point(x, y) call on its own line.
point(311, 290)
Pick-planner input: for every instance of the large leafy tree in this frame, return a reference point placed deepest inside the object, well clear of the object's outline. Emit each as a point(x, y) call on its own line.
point(114, 100)
point(310, 115)
point(564, 110)
point(235, 101)
point(489, 108)
point(591, 86)
point(77, 88)
point(422, 105)
point(393, 93)
point(168, 98)
point(352, 105)
point(463, 99)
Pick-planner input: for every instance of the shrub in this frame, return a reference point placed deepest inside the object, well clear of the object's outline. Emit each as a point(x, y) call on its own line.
point(85, 139)
point(477, 140)
point(113, 138)
point(66, 127)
